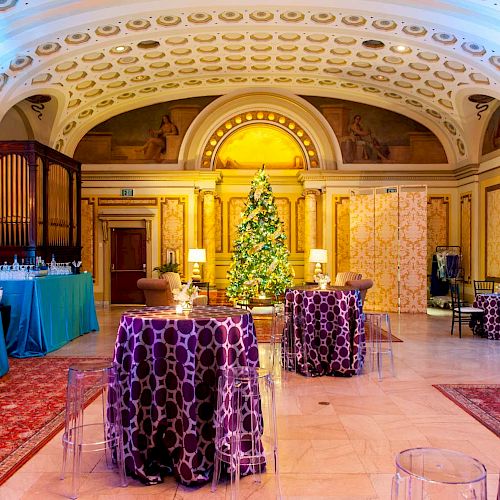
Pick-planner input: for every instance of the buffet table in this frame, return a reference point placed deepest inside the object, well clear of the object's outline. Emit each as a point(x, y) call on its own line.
point(489, 324)
point(333, 330)
point(48, 312)
point(168, 365)
point(4, 362)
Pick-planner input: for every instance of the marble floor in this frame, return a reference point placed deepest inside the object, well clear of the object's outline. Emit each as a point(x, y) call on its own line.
point(341, 450)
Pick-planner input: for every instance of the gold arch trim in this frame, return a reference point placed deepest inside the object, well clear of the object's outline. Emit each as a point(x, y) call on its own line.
point(228, 126)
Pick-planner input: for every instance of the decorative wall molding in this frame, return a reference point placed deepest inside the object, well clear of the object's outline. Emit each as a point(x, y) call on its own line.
point(465, 234)
point(492, 232)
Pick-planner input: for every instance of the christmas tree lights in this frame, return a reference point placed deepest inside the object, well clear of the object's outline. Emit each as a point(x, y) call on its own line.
point(260, 260)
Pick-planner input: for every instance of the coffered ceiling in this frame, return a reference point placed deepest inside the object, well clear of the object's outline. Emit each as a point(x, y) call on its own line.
point(99, 58)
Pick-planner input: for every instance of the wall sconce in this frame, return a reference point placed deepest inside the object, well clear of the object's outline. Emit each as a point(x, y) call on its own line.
point(196, 256)
point(319, 256)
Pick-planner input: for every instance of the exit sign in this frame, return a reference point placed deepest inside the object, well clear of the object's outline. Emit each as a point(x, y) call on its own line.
point(127, 192)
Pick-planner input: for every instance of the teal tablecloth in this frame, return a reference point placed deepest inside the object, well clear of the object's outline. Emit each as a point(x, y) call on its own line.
point(48, 312)
point(4, 362)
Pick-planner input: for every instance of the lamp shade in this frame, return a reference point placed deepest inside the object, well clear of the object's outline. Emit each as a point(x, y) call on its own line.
point(197, 255)
point(318, 255)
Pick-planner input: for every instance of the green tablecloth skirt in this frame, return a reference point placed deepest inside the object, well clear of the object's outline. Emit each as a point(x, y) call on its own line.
point(4, 362)
point(48, 312)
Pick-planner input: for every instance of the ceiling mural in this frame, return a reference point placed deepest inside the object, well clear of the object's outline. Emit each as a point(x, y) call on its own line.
point(103, 61)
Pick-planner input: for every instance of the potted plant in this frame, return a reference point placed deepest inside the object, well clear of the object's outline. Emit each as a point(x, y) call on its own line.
point(169, 267)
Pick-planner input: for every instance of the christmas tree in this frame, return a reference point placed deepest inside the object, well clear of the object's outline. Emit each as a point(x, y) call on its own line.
point(260, 260)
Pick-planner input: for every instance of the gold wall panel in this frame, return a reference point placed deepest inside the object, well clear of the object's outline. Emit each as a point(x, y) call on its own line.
point(236, 208)
point(299, 225)
point(492, 256)
point(172, 231)
point(438, 208)
point(342, 234)
point(88, 235)
point(218, 225)
point(413, 249)
point(283, 205)
point(384, 295)
point(465, 233)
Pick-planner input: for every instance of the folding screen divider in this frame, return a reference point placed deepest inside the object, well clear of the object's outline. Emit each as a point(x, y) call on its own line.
point(388, 238)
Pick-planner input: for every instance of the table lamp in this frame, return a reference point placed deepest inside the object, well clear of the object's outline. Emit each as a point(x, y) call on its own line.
point(319, 256)
point(196, 255)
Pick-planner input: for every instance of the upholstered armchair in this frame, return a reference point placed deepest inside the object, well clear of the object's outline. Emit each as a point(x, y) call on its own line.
point(159, 292)
point(362, 285)
point(342, 278)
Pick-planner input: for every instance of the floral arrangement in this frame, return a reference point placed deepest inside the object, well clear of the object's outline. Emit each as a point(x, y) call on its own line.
point(186, 294)
point(322, 280)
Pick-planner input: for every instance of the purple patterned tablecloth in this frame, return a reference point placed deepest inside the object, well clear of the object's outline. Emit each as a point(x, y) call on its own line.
point(333, 330)
point(168, 367)
point(489, 325)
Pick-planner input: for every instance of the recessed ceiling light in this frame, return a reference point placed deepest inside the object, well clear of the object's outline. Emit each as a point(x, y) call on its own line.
point(401, 48)
point(120, 48)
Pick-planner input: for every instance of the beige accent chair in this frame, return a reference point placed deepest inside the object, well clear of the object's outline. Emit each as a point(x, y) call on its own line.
point(159, 292)
point(362, 285)
point(342, 278)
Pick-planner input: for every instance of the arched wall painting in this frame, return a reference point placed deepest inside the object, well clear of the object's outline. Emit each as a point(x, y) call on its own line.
point(491, 140)
point(366, 134)
point(253, 145)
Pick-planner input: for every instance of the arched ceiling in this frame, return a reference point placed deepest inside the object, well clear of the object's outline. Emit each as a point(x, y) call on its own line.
point(98, 59)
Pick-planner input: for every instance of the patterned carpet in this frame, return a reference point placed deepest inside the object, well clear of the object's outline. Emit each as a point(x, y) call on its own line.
point(32, 403)
point(480, 401)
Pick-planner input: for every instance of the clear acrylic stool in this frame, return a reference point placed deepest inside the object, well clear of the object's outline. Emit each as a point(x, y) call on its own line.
point(246, 431)
point(436, 474)
point(377, 345)
point(287, 326)
point(86, 379)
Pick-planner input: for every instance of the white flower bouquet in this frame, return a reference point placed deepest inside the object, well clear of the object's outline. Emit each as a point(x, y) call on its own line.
point(322, 280)
point(186, 294)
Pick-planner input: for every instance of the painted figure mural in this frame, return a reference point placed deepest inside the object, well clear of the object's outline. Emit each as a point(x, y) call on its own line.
point(491, 140)
point(365, 134)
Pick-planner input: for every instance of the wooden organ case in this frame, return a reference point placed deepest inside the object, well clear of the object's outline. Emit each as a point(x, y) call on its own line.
point(40, 192)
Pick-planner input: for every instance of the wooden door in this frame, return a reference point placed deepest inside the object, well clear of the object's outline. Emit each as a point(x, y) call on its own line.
point(128, 264)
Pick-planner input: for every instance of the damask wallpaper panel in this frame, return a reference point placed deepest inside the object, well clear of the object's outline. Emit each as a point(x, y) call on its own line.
point(413, 249)
point(173, 219)
point(493, 231)
point(465, 233)
point(88, 234)
point(236, 208)
point(362, 243)
point(384, 294)
point(438, 208)
point(342, 234)
point(283, 205)
point(299, 228)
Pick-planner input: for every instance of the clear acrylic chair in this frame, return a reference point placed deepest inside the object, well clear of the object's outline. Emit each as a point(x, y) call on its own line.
point(88, 379)
point(287, 347)
point(379, 342)
point(437, 474)
point(246, 431)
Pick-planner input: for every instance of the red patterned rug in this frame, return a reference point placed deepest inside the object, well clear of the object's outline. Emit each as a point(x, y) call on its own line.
point(480, 401)
point(32, 404)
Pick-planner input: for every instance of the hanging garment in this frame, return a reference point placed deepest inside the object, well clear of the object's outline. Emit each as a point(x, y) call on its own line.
point(439, 287)
point(452, 266)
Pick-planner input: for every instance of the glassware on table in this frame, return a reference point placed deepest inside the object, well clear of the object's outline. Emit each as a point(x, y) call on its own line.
point(438, 474)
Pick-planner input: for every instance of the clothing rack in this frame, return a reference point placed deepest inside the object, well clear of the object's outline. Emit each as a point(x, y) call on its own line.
point(453, 264)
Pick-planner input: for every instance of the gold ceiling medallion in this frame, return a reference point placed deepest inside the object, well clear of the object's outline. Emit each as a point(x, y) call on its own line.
point(47, 48)
point(77, 38)
point(323, 18)
point(249, 139)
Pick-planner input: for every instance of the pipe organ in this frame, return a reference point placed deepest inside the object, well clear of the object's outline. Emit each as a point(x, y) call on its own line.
point(40, 190)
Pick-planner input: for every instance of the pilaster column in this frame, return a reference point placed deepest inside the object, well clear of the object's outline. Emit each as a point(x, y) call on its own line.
point(209, 235)
point(310, 222)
